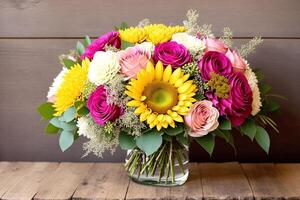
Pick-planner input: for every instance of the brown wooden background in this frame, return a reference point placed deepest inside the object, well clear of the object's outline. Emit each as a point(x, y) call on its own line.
point(34, 32)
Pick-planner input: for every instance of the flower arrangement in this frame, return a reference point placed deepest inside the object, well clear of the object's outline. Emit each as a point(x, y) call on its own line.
point(153, 88)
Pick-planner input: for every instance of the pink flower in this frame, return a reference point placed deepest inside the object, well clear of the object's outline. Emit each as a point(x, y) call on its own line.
point(132, 60)
point(213, 44)
point(238, 106)
point(202, 118)
point(100, 110)
point(216, 62)
point(238, 63)
point(110, 38)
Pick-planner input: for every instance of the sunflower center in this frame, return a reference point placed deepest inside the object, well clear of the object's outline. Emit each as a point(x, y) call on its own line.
point(161, 97)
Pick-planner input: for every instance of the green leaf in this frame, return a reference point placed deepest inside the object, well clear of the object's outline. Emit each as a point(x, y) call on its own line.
point(183, 139)
point(71, 126)
point(225, 124)
point(69, 114)
point(167, 137)
point(271, 105)
point(149, 142)
point(46, 110)
point(80, 48)
point(87, 40)
point(126, 141)
point(264, 89)
point(226, 135)
point(66, 139)
point(174, 131)
point(50, 129)
point(77, 104)
point(55, 122)
point(83, 111)
point(249, 128)
point(68, 63)
point(262, 138)
point(125, 45)
point(207, 142)
point(259, 74)
point(122, 26)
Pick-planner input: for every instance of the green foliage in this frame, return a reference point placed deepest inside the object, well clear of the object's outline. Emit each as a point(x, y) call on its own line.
point(259, 75)
point(71, 126)
point(268, 121)
point(68, 63)
point(249, 128)
point(125, 44)
point(51, 129)
point(69, 114)
point(83, 111)
point(87, 41)
point(262, 138)
point(174, 131)
point(167, 137)
point(225, 124)
point(80, 48)
point(150, 141)
point(126, 141)
point(226, 135)
point(183, 139)
point(270, 105)
point(46, 110)
point(122, 26)
point(264, 89)
point(66, 139)
point(207, 142)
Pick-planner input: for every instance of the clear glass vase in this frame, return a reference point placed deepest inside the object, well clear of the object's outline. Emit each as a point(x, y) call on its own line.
point(168, 166)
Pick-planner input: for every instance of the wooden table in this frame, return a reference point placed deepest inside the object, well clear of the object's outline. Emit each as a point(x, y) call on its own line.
point(43, 180)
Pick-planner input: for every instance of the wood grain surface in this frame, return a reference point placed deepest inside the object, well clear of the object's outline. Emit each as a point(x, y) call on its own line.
point(209, 181)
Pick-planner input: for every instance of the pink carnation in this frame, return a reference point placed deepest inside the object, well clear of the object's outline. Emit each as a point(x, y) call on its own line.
point(110, 38)
point(132, 60)
point(213, 44)
point(202, 118)
point(238, 63)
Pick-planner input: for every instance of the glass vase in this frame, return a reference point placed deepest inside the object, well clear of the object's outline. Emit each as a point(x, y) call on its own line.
point(168, 166)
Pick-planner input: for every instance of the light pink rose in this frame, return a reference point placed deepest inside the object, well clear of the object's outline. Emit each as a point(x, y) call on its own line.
point(213, 44)
point(202, 118)
point(132, 60)
point(238, 63)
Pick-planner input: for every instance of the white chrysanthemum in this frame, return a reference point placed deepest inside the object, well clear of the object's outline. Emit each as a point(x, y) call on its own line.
point(192, 43)
point(252, 80)
point(149, 46)
point(55, 85)
point(103, 67)
point(84, 128)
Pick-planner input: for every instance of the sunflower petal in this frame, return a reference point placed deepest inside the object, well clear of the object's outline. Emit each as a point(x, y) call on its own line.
point(167, 73)
point(159, 69)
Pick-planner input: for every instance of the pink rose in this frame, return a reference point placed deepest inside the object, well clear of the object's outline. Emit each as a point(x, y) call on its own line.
point(132, 60)
point(238, 63)
point(213, 44)
point(202, 118)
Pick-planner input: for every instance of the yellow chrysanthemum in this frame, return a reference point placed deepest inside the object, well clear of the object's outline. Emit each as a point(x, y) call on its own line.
point(133, 35)
point(159, 33)
point(155, 33)
point(72, 87)
point(161, 97)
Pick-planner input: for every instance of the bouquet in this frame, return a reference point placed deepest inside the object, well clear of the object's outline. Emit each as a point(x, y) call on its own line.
point(152, 89)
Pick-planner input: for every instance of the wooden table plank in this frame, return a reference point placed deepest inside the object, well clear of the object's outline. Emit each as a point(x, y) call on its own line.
point(266, 183)
point(224, 181)
point(63, 181)
point(104, 181)
point(27, 187)
point(191, 190)
point(290, 175)
point(12, 174)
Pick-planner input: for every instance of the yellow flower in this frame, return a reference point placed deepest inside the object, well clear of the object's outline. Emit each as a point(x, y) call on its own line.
point(159, 33)
point(72, 87)
point(161, 97)
point(155, 33)
point(133, 35)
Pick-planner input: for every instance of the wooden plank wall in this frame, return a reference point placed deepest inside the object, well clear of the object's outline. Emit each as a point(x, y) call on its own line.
point(34, 32)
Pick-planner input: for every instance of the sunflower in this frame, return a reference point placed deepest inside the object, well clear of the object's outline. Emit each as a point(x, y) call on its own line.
point(72, 87)
point(161, 97)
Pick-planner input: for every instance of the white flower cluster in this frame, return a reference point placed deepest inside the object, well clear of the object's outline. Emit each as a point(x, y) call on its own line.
point(252, 80)
point(104, 67)
point(193, 44)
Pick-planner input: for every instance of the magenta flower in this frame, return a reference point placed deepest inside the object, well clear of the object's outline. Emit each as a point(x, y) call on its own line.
point(216, 62)
point(171, 53)
point(111, 38)
point(100, 110)
point(238, 106)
